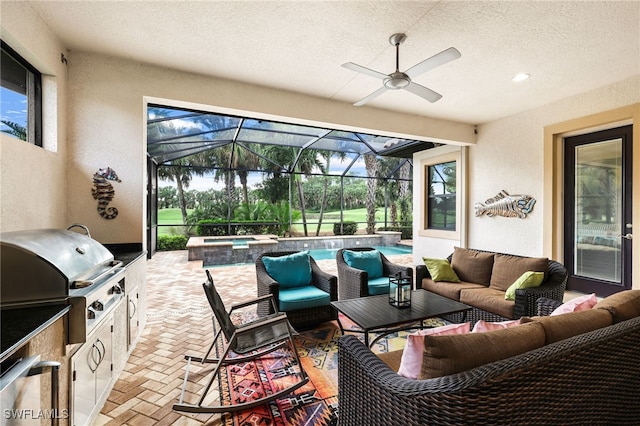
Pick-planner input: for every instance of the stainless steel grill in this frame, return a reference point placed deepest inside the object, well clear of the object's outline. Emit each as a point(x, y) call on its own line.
point(46, 266)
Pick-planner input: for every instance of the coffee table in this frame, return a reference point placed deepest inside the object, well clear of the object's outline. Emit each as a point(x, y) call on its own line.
point(375, 314)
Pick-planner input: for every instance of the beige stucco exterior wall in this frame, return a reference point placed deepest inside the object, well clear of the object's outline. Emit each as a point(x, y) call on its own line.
point(32, 179)
point(107, 124)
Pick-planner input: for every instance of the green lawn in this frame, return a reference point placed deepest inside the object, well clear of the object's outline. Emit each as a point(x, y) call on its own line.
point(174, 217)
point(170, 217)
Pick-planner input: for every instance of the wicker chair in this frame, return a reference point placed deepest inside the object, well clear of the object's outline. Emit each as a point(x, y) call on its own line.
point(353, 283)
point(300, 319)
point(546, 306)
point(526, 301)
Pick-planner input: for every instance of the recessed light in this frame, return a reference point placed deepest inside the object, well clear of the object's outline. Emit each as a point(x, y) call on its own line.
point(521, 77)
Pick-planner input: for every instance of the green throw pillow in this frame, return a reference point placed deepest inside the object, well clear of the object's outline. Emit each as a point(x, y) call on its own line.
point(526, 280)
point(369, 261)
point(293, 270)
point(440, 270)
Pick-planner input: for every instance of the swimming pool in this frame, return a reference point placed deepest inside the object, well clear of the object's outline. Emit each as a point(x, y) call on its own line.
point(237, 242)
point(326, 254)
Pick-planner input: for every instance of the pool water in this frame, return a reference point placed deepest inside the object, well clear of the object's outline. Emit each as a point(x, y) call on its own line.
point(326, 254)
point(237, 242)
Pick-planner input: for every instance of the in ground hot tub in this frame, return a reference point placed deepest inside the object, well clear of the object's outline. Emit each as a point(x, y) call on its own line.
point(229, 250)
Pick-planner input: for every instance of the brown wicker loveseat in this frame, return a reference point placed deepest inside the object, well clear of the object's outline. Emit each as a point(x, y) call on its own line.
point(589, 378)
point(480, 273)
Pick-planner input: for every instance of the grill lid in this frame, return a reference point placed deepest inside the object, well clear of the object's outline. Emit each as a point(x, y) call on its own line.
point(76, 256)
point(44, 263)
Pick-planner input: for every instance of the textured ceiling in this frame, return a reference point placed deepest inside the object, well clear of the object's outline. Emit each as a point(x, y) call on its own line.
point(567, 47)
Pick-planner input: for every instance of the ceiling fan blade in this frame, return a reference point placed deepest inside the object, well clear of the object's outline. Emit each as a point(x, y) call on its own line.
point(423, 92)
point(436, 60)
point(363, 70)
point(375, 94)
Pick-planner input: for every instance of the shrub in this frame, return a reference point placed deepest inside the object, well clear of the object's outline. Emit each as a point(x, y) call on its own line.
point(348, 228)
point(212, 228)
point(172, 242)
point(407, 231)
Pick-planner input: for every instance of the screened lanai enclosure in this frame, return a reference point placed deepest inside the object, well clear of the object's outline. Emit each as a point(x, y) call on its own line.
point(213, 174)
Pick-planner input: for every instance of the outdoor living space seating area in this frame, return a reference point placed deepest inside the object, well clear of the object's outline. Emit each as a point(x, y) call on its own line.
point(178, 322)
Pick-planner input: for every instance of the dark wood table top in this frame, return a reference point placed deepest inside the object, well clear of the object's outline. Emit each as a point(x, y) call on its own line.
point(375, 312)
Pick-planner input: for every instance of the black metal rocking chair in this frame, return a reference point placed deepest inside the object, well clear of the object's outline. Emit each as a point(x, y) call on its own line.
point(249, 341)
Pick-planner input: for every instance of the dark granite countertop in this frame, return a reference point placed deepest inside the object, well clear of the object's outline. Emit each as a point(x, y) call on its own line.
point(19, 325)
point(127, 252)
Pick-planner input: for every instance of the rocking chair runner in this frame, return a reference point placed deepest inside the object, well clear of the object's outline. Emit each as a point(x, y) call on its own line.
point(250, 341)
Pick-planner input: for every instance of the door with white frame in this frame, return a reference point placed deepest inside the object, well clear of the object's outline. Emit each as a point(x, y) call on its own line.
point(598, 207)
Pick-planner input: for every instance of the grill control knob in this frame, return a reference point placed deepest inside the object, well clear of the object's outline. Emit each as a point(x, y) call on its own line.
point(116, 289)
point(98, 305)
point(91, 313)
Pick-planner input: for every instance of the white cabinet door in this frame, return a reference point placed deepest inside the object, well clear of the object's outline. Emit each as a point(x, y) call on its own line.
point(92, 374)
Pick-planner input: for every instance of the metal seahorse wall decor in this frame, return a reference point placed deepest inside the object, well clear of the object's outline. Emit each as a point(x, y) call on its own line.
point(103, 191)
point(506, 205)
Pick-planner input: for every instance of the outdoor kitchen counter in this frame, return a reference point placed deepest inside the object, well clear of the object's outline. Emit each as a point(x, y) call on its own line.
point(18, 326)
point(126, 253)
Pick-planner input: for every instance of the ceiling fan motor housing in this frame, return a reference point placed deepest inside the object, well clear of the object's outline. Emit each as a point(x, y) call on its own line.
point(397, 80)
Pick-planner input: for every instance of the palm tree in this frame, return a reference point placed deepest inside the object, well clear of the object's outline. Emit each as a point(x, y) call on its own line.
point(179, 172)
point(371, 165)
point(298, 162)
point(15, 129)
point(326, 155)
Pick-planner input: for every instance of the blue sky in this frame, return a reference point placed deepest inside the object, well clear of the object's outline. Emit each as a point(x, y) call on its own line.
point(13, 107)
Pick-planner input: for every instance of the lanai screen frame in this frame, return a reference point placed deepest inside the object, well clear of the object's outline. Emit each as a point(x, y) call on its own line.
point(176, 133)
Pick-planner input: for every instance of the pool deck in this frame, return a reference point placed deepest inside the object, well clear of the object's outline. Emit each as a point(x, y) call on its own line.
point(178, 322)
point(224, 252)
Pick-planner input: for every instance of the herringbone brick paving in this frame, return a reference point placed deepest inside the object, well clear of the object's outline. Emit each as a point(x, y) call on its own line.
point(178, 322)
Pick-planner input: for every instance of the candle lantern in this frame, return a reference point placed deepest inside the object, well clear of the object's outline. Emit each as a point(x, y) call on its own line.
point(400, 291)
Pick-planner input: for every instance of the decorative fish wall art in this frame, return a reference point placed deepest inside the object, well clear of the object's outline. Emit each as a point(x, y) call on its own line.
point(103, 191)
point(506, 205)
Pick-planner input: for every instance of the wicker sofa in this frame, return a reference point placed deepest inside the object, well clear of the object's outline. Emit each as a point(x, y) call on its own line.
point(590, 377)
point(484, 276)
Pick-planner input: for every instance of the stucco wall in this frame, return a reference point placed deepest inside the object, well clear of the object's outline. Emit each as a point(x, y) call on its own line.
point(509, 155)
point(33, 179)
point(107, 122)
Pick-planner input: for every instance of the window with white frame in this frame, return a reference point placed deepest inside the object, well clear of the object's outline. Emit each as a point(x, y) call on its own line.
point(441, 192)
point(21, 94)
point(441, 196)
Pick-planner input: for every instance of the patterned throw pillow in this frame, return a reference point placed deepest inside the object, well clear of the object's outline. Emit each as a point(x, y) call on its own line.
point(411, 362)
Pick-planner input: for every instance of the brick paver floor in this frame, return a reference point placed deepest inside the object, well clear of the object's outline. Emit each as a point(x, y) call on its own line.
point(178, 322)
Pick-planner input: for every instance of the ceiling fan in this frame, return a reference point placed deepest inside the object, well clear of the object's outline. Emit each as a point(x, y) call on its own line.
point(402, 80)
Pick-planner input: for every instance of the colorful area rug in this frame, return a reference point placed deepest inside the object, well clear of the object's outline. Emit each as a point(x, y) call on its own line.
point(316, 403)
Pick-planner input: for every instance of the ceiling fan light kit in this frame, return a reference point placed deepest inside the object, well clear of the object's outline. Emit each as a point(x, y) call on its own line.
point(402, 80)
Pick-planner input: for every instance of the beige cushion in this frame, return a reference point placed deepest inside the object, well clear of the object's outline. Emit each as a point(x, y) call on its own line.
point(622, 306)
point(446, 355)
point(507, 269)
point(488, 299)
point(561, 327)
point(392, 359)
point(447, 289)
point(472, 266)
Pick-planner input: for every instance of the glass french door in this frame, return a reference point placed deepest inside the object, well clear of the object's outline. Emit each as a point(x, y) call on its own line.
point(597, 225)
